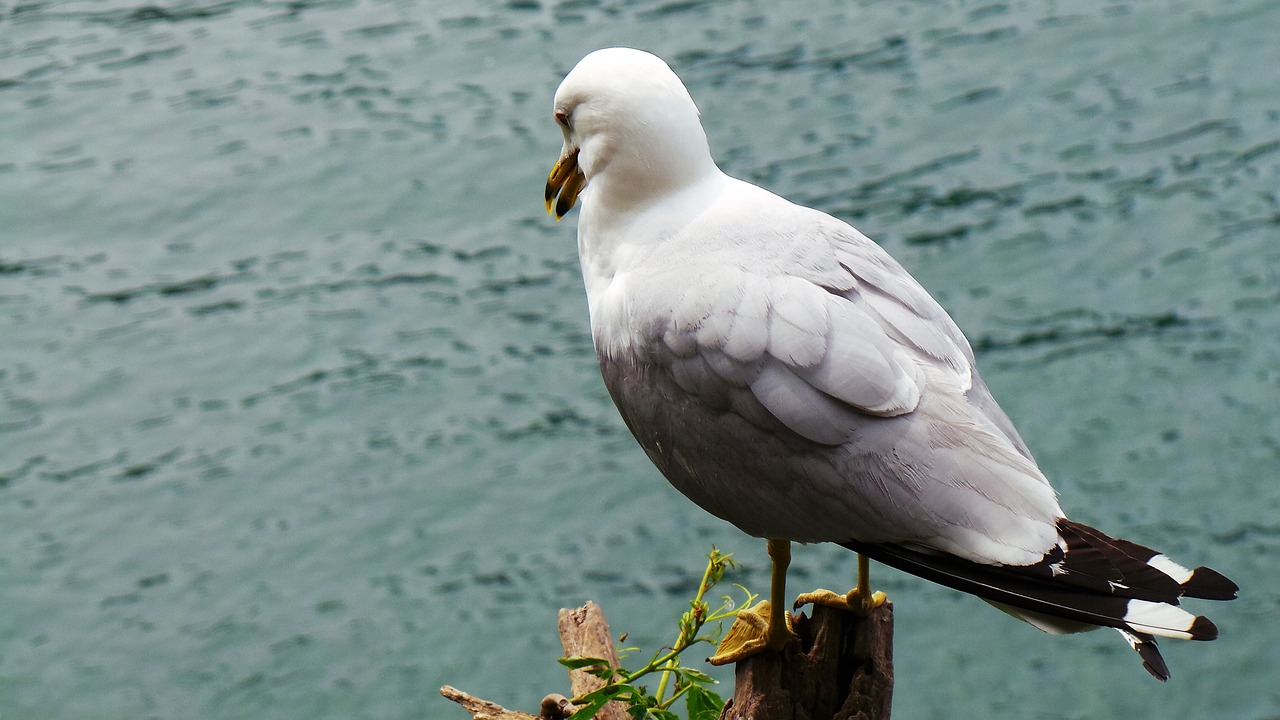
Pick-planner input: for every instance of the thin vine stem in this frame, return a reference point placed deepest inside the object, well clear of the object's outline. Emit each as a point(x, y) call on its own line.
point(666, 662)
point(698, 612)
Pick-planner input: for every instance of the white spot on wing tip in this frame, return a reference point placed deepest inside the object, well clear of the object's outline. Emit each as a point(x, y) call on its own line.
point(1159, 619)
point(1170, 568)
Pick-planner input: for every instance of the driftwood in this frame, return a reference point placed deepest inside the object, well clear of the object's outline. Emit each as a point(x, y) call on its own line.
point(840, 667)
point(483, 709)
point(583, 631)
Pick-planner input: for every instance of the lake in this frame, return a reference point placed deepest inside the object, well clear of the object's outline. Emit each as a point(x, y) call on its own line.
point(299, 412)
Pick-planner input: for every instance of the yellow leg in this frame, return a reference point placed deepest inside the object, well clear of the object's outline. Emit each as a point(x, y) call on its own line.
point(859, 600)
point(765, 625)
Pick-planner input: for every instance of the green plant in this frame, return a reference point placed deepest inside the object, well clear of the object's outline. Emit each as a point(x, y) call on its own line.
point(701, 703)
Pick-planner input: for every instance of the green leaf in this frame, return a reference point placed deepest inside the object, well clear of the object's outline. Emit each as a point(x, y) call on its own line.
point(605, 673)
point(588, 711)
point(596, 699)
point(578, 662)
point(702, 704)
point(697, 675)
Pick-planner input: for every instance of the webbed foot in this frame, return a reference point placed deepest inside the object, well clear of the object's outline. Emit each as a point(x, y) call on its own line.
point(753, 631)
point(855, 601)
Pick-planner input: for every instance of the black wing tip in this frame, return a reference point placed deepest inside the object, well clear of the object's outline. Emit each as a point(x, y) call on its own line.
point(1203, 629)
point(1152, 662)
point(1121, 566)
point(1209, 584)
point(1131, 564)
point(1147, 649)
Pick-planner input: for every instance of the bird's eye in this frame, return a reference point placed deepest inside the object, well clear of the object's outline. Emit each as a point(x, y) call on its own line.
point(563, 118)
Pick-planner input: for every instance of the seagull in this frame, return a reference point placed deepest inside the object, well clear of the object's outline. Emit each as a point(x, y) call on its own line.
point(787, 375)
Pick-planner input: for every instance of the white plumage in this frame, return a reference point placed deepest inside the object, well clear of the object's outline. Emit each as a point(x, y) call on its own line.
point(789, 376)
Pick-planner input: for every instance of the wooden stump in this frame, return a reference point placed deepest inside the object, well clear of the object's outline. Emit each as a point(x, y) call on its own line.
point(841, 667)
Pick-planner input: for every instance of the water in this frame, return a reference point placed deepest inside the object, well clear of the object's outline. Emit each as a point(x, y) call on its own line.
point(299, 415)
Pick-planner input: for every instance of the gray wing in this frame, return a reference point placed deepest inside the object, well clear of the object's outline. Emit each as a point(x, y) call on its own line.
point(852, 355)
point(914, 319)
point(813, 360)
point(820, 348)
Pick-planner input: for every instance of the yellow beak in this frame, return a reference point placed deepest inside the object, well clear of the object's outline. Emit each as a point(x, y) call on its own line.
point(567, 181)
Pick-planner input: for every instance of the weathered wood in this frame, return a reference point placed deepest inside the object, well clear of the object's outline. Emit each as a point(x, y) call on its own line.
point(585, 632)
point(839, 668)
point(483, 709)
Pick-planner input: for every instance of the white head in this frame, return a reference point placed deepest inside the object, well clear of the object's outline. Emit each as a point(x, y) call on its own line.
point(631, 132)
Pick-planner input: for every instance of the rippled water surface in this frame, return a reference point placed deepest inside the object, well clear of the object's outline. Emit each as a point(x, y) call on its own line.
point(299, 415)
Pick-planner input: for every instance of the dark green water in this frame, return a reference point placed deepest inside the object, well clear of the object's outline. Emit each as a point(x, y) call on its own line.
point(299, 415)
